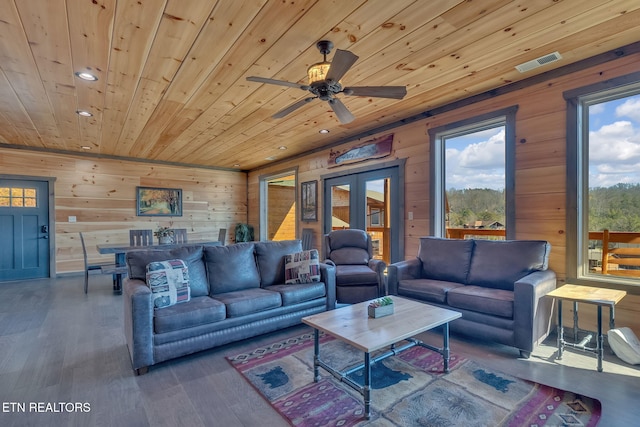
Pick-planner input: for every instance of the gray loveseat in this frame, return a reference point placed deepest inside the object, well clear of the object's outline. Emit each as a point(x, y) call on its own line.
point(237, 292)
point(498, 286)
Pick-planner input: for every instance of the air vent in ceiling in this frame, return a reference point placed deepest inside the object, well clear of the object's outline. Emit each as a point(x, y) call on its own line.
point(538, 62)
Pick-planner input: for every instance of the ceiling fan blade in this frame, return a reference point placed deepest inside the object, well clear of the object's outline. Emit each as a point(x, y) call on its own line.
point(343, 114)
point(276, 82)
point(395, 92)
point(291, 108)
point(342, 61)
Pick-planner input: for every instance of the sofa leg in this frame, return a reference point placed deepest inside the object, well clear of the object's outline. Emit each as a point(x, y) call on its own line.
point(525, 354)
point(142, 371)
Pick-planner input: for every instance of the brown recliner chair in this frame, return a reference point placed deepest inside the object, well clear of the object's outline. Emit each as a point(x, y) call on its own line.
point(359, 277)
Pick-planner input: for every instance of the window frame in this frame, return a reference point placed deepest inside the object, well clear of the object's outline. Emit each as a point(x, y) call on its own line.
point(504, 117)
point(577, 102)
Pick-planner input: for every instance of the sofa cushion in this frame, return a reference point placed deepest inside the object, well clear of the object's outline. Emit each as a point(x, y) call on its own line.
point(294, 294)
point(231, 268)
point(355, 275)
point(495, 302)
point(137, 263)
point(302, 267)
point(271, 263)
point(500, 263)
point(625, 344)
point(445, 259)
point(248, 301)
point(169, 282)
point(198, 311)
point(426, 289)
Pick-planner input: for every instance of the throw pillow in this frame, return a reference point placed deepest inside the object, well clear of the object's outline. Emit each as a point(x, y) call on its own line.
point(169, 282)
point(302, 267)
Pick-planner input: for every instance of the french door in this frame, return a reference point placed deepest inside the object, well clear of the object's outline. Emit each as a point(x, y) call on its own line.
point(24, 225)
point(369, 201)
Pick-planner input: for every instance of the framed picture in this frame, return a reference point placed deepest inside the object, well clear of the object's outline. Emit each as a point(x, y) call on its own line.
point(158, 201)
point(309, 199)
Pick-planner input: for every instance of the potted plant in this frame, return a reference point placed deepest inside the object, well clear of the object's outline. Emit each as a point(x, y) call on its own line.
point(164, 235)
point(380, 307)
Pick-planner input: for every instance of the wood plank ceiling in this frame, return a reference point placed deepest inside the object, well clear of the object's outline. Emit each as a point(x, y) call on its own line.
point(172, 73)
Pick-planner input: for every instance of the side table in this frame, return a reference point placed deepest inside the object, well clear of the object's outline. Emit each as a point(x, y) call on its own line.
point(590, 295)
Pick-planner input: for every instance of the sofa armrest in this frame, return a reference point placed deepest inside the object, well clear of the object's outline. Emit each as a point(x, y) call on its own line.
point(138, 322)
point(379, 266)
point(328, 277)
point(533, 310)
point(409, 269)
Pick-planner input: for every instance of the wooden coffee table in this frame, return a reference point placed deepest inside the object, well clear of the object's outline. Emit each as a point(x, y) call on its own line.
point(590, 295)
point(352, 325)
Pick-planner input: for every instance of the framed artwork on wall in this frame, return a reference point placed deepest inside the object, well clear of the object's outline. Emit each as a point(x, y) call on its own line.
point(309, 201)
point(152, 201)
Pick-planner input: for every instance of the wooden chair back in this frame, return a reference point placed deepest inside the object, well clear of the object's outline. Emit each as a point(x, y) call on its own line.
point(621, 261)
point(222, 235)
point(140, 237)
point(307, 238)
point(180, 235)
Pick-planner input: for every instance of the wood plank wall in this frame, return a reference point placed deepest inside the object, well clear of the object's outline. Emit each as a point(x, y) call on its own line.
point(540, 168)
point(101, 194)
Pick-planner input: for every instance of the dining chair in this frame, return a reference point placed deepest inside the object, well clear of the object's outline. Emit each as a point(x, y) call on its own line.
point(103, 268)
point(180, 235)
point(140, 237)
point(222, 235)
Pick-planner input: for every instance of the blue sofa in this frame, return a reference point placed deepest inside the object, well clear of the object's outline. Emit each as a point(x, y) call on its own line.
point(498, 286)
point(237, 291)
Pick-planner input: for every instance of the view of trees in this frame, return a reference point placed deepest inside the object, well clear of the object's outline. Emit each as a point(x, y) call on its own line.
point(475, 204)
point(616, 208)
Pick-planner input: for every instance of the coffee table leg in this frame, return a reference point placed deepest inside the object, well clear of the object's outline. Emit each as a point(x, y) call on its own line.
point(445, 349)
point(366, 391)
point(316, 355)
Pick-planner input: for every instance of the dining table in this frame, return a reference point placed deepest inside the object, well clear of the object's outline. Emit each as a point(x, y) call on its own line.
point(121, 249)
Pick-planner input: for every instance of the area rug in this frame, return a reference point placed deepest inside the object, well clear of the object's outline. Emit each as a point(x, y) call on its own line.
point(409, 389)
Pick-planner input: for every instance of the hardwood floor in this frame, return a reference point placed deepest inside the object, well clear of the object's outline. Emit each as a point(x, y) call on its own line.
point(59, 345)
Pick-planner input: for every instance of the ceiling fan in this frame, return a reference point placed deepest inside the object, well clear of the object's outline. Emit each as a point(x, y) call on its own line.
point(324, 84)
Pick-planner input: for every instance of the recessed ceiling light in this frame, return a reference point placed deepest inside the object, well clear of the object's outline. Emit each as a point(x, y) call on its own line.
point(86, 147)
point(323, 131)
point(84, 75)
point(282, 147)
point(237, 165)
point(270, 158)
point(84, 113)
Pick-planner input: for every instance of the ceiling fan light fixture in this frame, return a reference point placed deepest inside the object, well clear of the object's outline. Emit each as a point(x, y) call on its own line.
point(318, 72)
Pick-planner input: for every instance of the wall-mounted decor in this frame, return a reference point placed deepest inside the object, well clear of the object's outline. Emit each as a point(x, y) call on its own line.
point(159, 201)
point(309, 201)
point(372, 149)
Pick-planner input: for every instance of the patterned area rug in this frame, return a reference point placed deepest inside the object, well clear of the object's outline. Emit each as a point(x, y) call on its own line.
point(409, 389)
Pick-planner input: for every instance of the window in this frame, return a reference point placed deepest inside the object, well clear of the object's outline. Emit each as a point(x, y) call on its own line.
point(603, 182)
point(473, 177)
point(18, 197)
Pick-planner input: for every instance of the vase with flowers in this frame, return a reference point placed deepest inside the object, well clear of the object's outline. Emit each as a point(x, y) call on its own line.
point(164, 235)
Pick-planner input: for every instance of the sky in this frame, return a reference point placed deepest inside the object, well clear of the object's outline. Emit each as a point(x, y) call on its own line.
point(477, 160)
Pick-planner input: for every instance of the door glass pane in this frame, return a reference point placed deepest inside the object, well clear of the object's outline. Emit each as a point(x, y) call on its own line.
point(475, 184)
point(377, 196)
point(281, 208)
point(613, 185)
point(340, 206)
